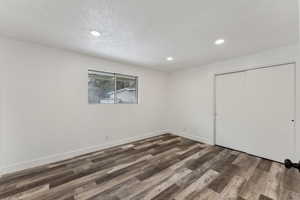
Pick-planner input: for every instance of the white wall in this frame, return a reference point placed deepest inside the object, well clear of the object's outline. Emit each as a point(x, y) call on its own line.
point(44, 114)
point(47, 116)
point(192, 91)
point(1, 111)
point(298, 91)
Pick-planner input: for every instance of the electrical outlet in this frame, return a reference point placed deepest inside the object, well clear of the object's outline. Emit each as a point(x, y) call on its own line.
point(106, 137)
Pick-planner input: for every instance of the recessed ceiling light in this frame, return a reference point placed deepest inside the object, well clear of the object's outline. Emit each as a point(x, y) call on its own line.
point(219, 41)
point(169, 58)
point(95, 33)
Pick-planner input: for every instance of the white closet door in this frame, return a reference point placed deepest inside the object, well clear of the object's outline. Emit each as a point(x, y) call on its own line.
point(262, 110)
point(230, 104)
point(269, 112)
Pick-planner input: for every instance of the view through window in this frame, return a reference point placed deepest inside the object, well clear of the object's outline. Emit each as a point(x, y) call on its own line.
point(112, 88)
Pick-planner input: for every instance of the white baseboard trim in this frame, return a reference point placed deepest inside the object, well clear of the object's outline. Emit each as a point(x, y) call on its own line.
point(193, 137)
point(59, 157)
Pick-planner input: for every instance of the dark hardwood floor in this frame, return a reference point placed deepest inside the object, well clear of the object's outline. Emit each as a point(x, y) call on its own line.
point(162, 167)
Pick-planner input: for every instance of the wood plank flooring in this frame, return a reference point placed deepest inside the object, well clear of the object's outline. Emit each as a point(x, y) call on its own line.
point(161, 168)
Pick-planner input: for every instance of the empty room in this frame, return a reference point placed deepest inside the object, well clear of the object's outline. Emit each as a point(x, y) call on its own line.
point(149, 99)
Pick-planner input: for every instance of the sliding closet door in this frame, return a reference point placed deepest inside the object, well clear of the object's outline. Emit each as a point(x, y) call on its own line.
point(255, 111)
point(269, 112)
point(230, 94)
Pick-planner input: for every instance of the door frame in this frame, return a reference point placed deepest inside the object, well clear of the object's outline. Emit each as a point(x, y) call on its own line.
point(249, 69)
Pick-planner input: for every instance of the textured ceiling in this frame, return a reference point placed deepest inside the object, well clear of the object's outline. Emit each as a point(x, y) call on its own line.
point(144, 32)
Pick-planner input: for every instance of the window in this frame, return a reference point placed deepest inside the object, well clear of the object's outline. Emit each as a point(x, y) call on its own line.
point(101, 87)
point(126, 89)
point(111, 88)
